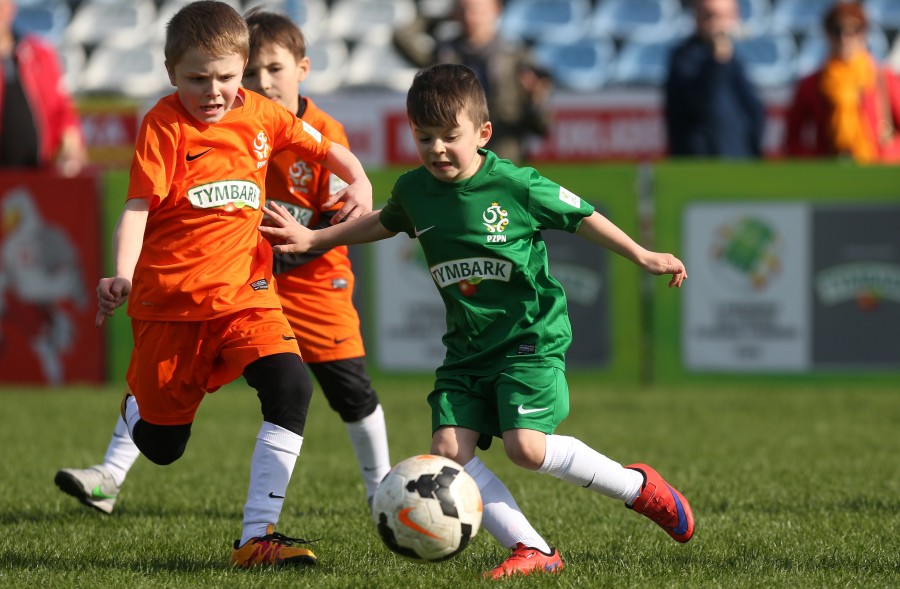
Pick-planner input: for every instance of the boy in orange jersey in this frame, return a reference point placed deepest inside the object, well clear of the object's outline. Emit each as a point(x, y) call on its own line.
point(199, 279)
point(315, 289)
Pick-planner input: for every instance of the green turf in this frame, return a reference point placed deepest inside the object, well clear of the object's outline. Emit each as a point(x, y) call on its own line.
point(791, 487)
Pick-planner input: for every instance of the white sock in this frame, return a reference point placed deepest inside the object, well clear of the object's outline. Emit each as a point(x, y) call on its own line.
point(502, 517)
point(571, 460)
point(273, 462)
point(132, 414)
point(368, 436)
point(121, 453)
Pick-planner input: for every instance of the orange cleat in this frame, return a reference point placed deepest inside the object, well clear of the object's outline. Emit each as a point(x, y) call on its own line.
point(526, 560)
point(663, 504)
point(271, 549)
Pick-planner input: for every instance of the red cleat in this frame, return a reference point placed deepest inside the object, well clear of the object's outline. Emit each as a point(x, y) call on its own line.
point(663, 504)
point(526, 560)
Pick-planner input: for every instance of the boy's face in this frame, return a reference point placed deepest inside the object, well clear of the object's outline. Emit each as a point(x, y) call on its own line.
point(275, 73)
point(451, 154)
point(207, 85)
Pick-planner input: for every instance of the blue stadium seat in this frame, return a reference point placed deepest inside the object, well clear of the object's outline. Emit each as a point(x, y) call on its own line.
point(756, 16)
point(47, 19)
point(643, 63)
point(138, 72)
point(768, 58)
point(376, 64)
point(886, 13)
point(548, 20)
point(354, 19)
point(310, 15)
point(112, 23)
point(814, 49)
point(582, 65)
point(650, 20)
point(328, 61)
point(799, 16)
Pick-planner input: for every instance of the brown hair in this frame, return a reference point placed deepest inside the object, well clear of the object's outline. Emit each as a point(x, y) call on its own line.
point(269, 27)
point(212, 27)
point(440, 92)
point(842, 12)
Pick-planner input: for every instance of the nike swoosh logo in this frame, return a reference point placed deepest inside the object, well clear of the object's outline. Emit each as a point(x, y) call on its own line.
point(191, 157)
point(593, 476)
point(97, 493)
point(523, 411)
point(288, 338)
point(341, 340)
point(404, 518)
point(419, 232)
point(274, 496)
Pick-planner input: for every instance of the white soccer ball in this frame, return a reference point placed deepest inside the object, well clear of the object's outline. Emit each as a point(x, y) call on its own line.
point(427, 508)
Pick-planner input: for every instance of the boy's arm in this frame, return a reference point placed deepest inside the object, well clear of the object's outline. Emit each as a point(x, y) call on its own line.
point(605, 233)
point(128, 239)
point(357, 196)
point(290, 237)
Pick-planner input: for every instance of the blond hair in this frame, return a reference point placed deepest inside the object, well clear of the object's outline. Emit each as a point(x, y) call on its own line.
point(211, 27)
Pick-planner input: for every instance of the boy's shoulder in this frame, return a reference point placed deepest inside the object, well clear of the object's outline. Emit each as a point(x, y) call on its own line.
point(324, 122)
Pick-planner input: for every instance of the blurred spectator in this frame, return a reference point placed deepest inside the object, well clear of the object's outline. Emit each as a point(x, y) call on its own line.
point(711, 108)
point(851, 106)
point(517, 90)
point(38, 122)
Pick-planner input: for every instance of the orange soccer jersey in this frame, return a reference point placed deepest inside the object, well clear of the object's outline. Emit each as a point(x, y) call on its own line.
point(317, 295)
point(203, 256)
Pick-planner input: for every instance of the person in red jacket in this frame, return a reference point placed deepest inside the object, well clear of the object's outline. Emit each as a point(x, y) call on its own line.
point(851, 106)
point(39, 125)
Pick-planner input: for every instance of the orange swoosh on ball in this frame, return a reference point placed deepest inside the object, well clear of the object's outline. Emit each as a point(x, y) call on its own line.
point(404, 518)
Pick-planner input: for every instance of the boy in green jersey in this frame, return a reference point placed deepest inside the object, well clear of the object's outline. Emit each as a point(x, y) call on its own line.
point(479, 221)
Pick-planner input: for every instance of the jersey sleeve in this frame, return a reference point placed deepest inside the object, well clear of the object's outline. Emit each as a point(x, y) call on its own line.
point(554, 207)
point(152, 168)
point(302, 138)
point(394, 218)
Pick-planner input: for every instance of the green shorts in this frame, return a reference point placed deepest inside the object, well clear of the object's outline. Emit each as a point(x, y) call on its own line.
point(520, 397)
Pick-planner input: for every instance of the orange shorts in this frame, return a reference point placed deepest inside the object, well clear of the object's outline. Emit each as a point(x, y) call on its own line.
point(175, 363)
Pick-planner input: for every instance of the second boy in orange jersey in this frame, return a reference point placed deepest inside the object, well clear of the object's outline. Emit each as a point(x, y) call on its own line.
point(315, 289)
point(199, 280)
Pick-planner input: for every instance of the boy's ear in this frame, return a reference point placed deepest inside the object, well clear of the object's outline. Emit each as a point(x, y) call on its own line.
point(171, 71)
point(485, 134)
point(303, 68)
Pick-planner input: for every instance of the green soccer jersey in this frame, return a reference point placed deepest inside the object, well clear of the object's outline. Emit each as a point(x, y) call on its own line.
point(481, 238)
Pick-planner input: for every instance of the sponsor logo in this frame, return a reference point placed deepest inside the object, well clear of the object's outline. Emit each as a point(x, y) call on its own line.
point(419, 232)
point(302, 214)
point(225, 194)
point(569, 197)
point(339, 283)
point(340, 340)
point(192, 156)
point(523, 411)
point(272, 495)
point(261, 284)
point(404, 518)
point(261, 146)
point(481, 268)
point(97, 493)
point(868, 284)
point(288, 338)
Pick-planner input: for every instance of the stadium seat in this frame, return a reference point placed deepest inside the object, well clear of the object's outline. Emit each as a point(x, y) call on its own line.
point(137, 72)
point(886, 13)
point(814, 48)
point(113, 23)
point(582, 65)
point(328, 62)
point(354, 19)
point(768, 58)
point(642, 63)
point(546, 20)
point(647, 20)
point(310, 15)
point(375, 63)
point(799, 16)
point(47, 19)
point(167, 10)
point(756, 16)
point(72, 58)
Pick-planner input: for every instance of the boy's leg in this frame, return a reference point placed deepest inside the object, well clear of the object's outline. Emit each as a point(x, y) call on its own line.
point(98, 486)
point(349, 392)
point(284, 391)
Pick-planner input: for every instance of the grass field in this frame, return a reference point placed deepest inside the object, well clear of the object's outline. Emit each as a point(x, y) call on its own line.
point(792, 486)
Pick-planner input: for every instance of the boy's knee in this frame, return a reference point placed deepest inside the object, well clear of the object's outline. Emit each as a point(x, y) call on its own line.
point(284, 390)
point(525, 451)
point(161, 444)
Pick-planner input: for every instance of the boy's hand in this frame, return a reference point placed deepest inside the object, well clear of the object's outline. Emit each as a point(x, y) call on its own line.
point(111, 294)
point(357, 199)
point(659, 264)
point(286, 234)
